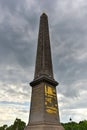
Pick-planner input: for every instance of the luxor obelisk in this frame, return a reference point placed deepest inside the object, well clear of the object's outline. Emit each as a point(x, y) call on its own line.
point(44, 112)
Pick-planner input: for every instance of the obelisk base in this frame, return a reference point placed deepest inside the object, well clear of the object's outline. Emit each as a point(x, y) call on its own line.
point(44, 127)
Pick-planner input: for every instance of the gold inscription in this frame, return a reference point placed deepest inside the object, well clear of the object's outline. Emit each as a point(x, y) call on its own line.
point(50, 100)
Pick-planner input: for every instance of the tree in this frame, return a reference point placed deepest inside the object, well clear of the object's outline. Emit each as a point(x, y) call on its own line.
point(18, 125)
point(71, 126)
point(83, 125)
point(4, 127)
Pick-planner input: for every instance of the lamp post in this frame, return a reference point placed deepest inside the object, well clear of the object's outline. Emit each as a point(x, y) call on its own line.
point(71, 123)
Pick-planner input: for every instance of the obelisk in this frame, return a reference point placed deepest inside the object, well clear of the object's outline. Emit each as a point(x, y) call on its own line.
point(44, 112)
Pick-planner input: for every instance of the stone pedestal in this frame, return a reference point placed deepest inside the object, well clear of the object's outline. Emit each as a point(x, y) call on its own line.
point(44, 127)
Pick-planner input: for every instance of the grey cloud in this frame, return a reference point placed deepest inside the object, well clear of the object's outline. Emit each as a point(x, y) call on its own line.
point(13, 47)
point(18, 40)
point(46, 6)
point(24, 111)
point(12, 6)
point(68, 45)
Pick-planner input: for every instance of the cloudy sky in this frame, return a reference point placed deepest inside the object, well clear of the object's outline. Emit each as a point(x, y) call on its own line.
point(19, 25)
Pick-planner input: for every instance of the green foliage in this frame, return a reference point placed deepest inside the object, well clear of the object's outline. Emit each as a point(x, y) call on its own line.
point(82, 125)
point(18, 125)
point(71, 126)
point(4, 127)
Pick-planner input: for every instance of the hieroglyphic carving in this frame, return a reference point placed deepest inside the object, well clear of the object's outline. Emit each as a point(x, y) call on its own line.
point(50, 100)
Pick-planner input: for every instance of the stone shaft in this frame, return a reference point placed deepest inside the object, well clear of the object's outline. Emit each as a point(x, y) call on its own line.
point(43, 57)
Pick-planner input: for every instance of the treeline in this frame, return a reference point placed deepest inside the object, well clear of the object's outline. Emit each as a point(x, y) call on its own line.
point(20, 125)
point(17, 125)
point(82, 125)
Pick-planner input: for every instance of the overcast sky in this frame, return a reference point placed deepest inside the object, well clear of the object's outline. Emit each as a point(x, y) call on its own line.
point(19, 25)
